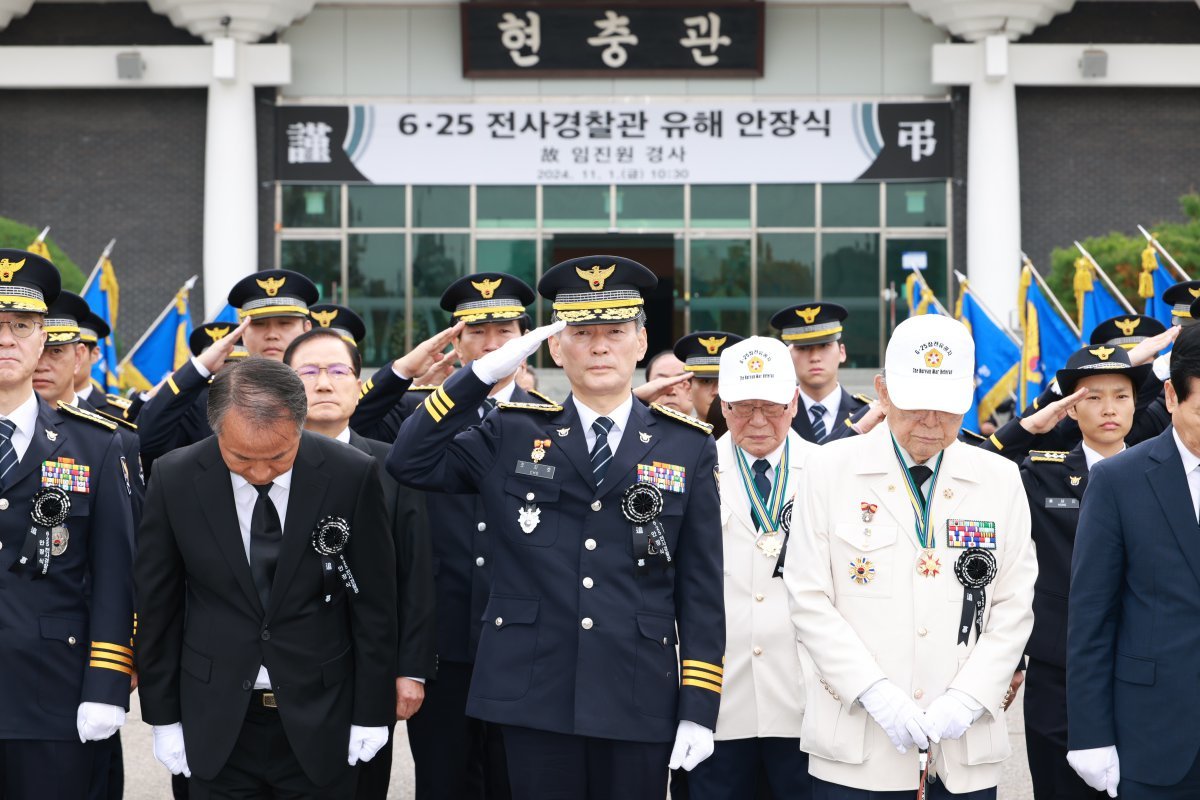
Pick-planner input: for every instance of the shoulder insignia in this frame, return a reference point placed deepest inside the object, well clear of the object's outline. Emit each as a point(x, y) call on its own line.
point(90, 416)
point(968, 435)
point(119, 420)
point(679, 416)
point(541, 396)
point(118, 401)
point(862, 398)
point(1048, 456)
point(549, 408)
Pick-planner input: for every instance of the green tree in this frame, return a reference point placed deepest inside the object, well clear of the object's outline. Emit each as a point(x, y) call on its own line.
point(15, 235)
point(1120, 256)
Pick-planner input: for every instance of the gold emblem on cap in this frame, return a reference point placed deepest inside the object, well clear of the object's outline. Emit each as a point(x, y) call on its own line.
point(324, 318)
point(271, 285)
point(755, 364)
point(933, 358)
point(217, 333)
point(9, 268)
point(487, 288)
point(713, 344)
point(808, 314)
point(1127, 326)
point(1103, 353)
point(596, 276)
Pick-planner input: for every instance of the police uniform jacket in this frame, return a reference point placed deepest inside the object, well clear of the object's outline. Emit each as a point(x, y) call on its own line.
point(574, 640)
point(177, 415)
point(897, 624)
point(66, 637)
point(332, 664)
point(131, 462)
point(849, 411)
point(763, 693)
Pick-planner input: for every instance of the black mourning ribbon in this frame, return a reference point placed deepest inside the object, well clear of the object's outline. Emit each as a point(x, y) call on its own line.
point(51, 506)
point(785, 525)
point(975, 569)
point(329, 539)
point(641, 504)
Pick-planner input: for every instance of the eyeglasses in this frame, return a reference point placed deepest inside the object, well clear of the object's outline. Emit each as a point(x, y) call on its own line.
point(768, 410)
point(336, 372)
point(21, 328)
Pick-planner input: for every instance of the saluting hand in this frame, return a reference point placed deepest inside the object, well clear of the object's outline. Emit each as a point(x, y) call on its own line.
point(213, 357)
point(428, 353)
point(1144, 351)
point(1044, 420)
point(504, 361)
point(653, 391)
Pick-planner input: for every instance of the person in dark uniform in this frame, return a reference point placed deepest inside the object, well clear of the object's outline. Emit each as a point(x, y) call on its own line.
point(91, 330)
point(700, 353)
point(606, 532)
point(814, 333)
point(329, 363)
point(66, 591)
point(340, 319)
point(1101, 384)
point(208, 334)
point(267, 631)
point(274, 308)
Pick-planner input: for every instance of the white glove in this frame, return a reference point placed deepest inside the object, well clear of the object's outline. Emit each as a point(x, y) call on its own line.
point(1099, 767)
point(365, 742)
point(504, 361)
point(947, 718)
point(899, 717)
point(693, 744)
point(96, 721)
point(169, 750)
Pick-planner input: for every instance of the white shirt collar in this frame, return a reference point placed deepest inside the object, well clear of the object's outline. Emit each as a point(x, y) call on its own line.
point(831, 401)
point(619, 415)
point(1092, 457)
point(344, 436)
point(284, 481)
point(24, 416)
point(1190, 460)
point(505, 394)
point(773, 457)
point(86, 391)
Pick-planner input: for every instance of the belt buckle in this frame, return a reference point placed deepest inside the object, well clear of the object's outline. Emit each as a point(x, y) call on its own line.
point(268, 700)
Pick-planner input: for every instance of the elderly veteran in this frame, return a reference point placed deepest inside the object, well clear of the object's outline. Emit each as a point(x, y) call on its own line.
point(910, 574)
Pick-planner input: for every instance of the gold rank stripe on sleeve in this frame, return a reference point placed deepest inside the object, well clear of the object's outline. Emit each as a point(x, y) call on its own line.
point(996, 442)
point(368, 386)
point(106, 655)
point(862, 398)
point(171, 383)
point(702, 675)
point(438, 404)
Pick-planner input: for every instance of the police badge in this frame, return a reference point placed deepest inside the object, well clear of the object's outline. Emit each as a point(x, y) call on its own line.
point(528, 517)
point(51, 507)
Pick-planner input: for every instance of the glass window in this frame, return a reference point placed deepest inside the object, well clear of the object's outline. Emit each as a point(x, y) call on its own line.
point(438, 260)
point(441, 206)
point(927, 254)
point(649, 206)
point(721, 206)
point(787, 205)
point(376, 270)
point(320, 260)
point(506, 206)
point(376, 206)
point(575, 206)
point(786, 274)
point(850, 277)
point(720, 291)
point(312, 207)
point(850, 205)
point(517, 257)
point(916, 205)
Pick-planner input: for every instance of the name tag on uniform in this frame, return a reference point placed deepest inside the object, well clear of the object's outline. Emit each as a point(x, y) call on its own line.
point(1062, 502)
point(535, 470)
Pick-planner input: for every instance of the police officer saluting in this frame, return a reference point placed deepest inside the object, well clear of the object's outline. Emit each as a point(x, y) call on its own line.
point(607, 541)
point(66, 590)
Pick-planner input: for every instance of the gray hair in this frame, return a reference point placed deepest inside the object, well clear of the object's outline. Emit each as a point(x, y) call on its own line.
point(263, 390)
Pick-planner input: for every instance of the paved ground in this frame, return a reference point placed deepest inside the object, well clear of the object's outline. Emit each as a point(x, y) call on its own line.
point(145, 779)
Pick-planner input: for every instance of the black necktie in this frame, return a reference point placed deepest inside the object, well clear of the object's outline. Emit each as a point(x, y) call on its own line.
point(920, 473)
point(761, 482)
point(266, 535)
point(818, 421)
point(601, 453)
point(8, 454)
point(488, 404)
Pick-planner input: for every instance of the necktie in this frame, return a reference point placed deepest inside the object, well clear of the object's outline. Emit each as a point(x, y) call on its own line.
point(761, 482)
point(818, 421)
point(8, 454)
point(266, 535)
point(488, 404)
point(920, 473)
point(601, 454)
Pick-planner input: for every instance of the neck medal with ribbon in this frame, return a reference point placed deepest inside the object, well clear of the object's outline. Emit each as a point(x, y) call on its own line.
point(928, 563)
point(768, 512)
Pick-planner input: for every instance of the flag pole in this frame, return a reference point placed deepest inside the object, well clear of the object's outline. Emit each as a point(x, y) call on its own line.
point(987, 311)
point(1180, 273)
point(41, 237)
point(187, 286)
point(1050, 295)
point(1112, 290)
point(108, 248)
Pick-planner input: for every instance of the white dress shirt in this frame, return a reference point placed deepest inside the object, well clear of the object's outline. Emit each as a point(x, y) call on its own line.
point(244, 497)
point(831, 402)
point(503, 396)
point(772, 458)
point(619, 416)
point(1091, 457)
point(1190, 462)
point(25, 418)
point(86, 391)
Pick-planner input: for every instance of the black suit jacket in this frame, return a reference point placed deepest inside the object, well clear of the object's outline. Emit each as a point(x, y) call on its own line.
point(416, 654)
point(331, 664)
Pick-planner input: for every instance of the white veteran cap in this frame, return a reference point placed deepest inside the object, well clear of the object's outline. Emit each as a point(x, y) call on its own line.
point(758, 368)
point(930, 365)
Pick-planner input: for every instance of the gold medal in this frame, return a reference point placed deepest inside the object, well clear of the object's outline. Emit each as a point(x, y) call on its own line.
point(539, 449)
point(928, 564)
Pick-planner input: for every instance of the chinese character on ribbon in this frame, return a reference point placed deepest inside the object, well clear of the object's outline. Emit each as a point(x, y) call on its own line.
point(708, 27)
point(614, 34)
point(308, 143)
point(516, 35)
point(918, 137)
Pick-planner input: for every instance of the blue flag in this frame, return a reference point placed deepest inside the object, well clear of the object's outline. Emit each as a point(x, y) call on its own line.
point(919, 297)
point(1048, 340)
point(227, 314)
point(1154, 280)
point(102, 294)
point(1095, 301)
point(997, 360)
point(163, 348)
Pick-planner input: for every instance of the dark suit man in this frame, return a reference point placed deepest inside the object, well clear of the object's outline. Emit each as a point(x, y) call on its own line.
point(279, 677)
point(328, 361)
point(1133, 646)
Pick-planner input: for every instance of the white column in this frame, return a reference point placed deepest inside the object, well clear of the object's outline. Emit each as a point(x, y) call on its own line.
point(230, 177)
point(993, 183)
